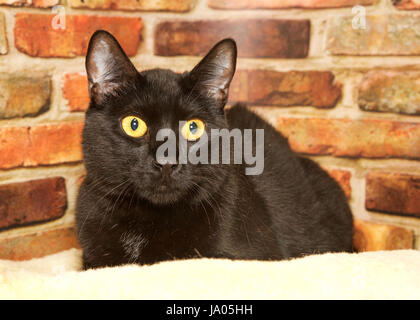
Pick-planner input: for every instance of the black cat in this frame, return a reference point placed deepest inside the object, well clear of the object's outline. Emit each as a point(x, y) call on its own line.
point(133, 208)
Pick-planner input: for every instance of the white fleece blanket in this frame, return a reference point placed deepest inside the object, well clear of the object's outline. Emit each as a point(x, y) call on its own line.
point(369, 275)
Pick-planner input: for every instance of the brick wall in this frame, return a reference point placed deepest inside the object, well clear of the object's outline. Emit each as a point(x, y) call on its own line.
point(346, 96)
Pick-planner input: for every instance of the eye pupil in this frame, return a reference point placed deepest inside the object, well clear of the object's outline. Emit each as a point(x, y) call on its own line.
point(134, 124)
point(193, 127)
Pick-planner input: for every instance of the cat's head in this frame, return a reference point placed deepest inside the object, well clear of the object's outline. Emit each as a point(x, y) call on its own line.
point(128, 108)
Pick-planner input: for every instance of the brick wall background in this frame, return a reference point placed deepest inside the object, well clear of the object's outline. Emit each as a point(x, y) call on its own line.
point(347, 97)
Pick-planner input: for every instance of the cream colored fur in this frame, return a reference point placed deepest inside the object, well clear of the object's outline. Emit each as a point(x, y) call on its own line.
point(369, 275)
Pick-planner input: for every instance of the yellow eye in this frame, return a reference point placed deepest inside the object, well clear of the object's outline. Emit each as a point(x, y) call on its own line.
point(193, 129)
point(134, 126)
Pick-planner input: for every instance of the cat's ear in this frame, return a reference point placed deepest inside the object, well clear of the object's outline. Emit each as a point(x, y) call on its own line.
point(107, 66)
point(212, 76)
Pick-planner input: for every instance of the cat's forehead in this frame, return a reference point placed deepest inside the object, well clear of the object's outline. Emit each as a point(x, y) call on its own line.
point(160, 75)
point(162, 81)
point(160, 95)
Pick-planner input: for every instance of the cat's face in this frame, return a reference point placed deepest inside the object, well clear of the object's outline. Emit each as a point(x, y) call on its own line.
point(129, 108)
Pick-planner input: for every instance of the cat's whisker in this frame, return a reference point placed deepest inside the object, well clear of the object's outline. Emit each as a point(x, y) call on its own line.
point(209, 199)
point(87, 216)
point(101, 180)
point(132, 196)
point(204, 208)
point(124, 188)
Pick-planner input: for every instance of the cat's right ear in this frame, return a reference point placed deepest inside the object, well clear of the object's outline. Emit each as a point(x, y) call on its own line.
point(107, 66)
point(212, 76)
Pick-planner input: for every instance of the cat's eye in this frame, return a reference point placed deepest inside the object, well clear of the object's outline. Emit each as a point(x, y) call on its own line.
point(193, 129)
point(134, 126)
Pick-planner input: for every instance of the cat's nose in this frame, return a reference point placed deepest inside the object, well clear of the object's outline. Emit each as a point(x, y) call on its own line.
point(166, 168)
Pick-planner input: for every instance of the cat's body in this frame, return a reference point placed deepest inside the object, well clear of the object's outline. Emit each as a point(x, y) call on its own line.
point(293, 208)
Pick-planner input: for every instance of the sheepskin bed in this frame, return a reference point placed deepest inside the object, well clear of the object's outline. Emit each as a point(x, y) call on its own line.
point(369, 275)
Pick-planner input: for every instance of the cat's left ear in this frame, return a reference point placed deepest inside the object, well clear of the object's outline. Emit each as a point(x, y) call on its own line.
point(212, 76)
point(107, 66)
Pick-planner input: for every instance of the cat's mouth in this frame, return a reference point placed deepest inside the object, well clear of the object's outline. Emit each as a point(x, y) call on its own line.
point(165, 197)
point(166, 189)
point(162, 188)
point(163, 194)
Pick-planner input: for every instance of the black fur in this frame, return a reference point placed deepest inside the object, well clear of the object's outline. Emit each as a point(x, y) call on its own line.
point(128, 211)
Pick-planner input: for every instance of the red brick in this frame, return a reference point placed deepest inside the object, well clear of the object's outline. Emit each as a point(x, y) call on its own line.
point(30, 3)
point(407, 4)
point(32, 201)
point(352, 138)
point(393, 193)
point(36, 99)
point(75, 90)
point(384, 35)
point(255, 38)
point(40, 145)
point(343, 178)
point(280, 4)
point(38, 244)
point(369, 236)
point(3, 37)
point(295, 88)
point(53, 144)
point(390, 91)
point(14, 143)
point(35, 36)
point(130, 5)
